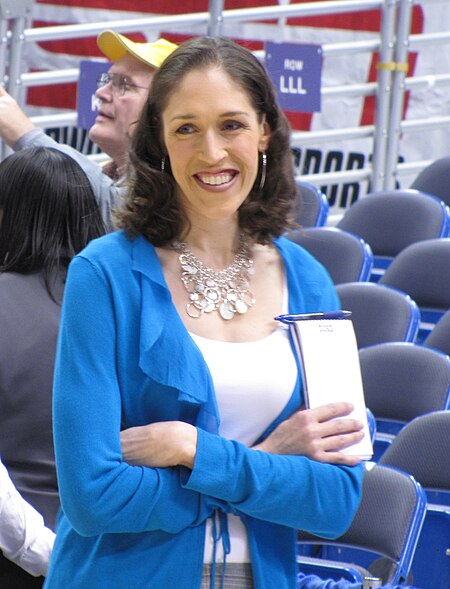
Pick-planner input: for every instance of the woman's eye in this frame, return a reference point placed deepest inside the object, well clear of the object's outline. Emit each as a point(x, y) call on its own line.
point(232, 125)
point(185, 129)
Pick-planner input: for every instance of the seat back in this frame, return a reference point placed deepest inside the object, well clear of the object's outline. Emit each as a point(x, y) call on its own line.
point(422, 270)
point(312, 205)
point(439, 336)
point(392, 220)
point(422, 448)
point(403, 380)
point(435, 179)
point(379, 313)
point(347, 257)
point(388, 520)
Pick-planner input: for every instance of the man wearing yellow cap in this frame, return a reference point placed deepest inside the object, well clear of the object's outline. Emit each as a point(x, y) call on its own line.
point(121, 94)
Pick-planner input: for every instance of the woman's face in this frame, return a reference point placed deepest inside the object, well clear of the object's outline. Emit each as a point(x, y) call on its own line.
point(213, 139)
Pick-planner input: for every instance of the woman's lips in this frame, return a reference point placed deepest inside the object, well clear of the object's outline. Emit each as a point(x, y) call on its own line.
point(216, 179)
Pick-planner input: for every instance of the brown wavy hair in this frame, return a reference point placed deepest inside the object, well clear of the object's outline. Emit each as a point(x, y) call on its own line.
point(151, 206)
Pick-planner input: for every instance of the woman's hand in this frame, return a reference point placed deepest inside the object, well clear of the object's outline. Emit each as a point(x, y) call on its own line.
point(161, 444)
point(316, 433)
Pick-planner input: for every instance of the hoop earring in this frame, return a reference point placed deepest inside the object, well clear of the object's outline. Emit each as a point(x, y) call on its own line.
point(263, 170)
point(163, 163)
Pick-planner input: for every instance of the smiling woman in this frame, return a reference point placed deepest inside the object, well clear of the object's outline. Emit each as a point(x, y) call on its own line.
point(191, 457)
point(213, 140)
point(233, 88)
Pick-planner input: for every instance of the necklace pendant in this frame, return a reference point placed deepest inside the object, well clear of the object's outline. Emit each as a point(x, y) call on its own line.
point(193, 311)
point(208, 307)
point(241, 307)
point(211, 294)
point(225, 291)
point(226, 311)
point(189, 269)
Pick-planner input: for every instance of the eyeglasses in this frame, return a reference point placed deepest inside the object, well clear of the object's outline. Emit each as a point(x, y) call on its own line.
point(119, 83)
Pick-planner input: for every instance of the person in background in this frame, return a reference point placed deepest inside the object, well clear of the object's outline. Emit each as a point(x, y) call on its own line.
point(171, 371)
point(49, 213)
point(120, 95)
point(24, 538)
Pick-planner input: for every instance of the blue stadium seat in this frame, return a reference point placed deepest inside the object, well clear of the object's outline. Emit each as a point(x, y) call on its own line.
point(384, 531)
point(312, 205)
point(435, 179)
point(347, 258)
point(379, 313)
point(439, 336)
point(390, 221)
point(422, 270)
point(422, 449)
point(402, 381)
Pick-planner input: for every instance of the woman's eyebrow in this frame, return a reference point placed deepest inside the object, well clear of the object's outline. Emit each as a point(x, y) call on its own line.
point(231, 113)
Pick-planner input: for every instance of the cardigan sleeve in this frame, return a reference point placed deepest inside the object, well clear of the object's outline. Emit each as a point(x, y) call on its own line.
point(100, 493)
point(290, 490)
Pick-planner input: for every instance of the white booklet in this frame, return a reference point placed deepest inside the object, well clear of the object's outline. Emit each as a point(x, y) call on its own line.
point(328, 352)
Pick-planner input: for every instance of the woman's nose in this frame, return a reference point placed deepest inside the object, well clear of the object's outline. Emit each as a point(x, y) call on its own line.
point(212, 148)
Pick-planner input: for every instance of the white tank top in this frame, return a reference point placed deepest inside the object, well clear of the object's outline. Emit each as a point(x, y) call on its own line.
point(253, 382)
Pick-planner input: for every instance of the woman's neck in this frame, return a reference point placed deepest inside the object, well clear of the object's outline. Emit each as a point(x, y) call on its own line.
point(215, 247)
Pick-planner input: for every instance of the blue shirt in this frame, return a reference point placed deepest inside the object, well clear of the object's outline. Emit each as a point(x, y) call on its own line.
point(126, 359)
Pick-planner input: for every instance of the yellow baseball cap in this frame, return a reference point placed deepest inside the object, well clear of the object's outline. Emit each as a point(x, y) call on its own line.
point(114, 46)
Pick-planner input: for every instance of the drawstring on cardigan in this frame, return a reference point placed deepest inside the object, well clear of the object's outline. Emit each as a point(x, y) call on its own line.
point(219, 532)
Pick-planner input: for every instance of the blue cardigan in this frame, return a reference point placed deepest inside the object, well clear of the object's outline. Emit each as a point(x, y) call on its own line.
point(126, 359)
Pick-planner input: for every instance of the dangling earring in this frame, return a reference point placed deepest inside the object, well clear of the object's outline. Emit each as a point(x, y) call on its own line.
point(163, 163)
point(263, 170)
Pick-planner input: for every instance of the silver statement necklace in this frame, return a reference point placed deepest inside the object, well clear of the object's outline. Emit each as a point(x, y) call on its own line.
point(226, 291)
